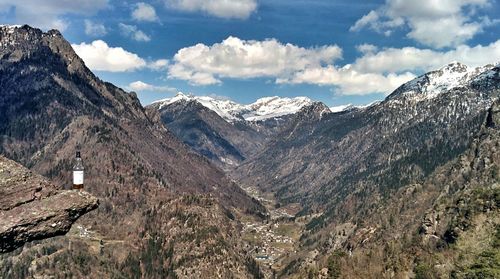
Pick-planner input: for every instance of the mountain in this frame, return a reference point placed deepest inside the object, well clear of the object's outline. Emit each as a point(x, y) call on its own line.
point(446, 226)
point(225, 132)
point(51, 104)
point(264, 108)
point(436, 82)
point(224, 143)
point(403, 188)
point(351, 171)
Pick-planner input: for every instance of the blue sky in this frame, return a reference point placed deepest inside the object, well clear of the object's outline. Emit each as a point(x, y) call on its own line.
point(338, 52)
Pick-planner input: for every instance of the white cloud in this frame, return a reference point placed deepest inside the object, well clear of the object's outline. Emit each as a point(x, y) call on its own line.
point(373, 20)
point(366, 48)
point(375, 71)
point(144, 12)
point(449, 31)
point(94, 29)
point(239, 9)
point(48, 14)
point(236, 58)
point(385, 70)
point(434, 23)
point(142, 86)
point(418, 60)
point(101, 57)
point(133, 32)
point(158, 65)
point(348, 80)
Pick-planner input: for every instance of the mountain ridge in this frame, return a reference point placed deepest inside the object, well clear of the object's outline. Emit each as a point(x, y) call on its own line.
point(260, 110)
point(431, 84)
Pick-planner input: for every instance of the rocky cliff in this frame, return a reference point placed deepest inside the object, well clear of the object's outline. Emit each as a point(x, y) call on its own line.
point(31, 208)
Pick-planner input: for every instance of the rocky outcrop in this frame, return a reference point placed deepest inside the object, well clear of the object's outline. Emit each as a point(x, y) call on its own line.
point(31, 208)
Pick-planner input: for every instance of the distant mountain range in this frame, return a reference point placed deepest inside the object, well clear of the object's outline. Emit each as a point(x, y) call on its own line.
point(242, 130)
point(224, 131)
point(260, 110)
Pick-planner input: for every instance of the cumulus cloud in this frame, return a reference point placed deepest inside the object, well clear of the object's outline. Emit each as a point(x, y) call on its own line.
point(94, 29)
point(433, 23)
point(48, 14)
point(101, 57)
point(383, 71)
point(238, 9)
point(287, 63)
point(366, 48)
point(375, 71)
point(144, 12)
point(133, 32)
point(418, 60)
point(142, 86)
point(350, 81)
point(158, 65)
point(236, 58)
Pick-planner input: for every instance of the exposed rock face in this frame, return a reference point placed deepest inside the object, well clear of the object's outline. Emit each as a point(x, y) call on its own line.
point(31, 208)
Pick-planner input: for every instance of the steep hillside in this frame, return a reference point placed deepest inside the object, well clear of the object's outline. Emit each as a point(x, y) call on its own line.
point(448, 226)
point(225, 132)
point(50, 104)
point(223, 142)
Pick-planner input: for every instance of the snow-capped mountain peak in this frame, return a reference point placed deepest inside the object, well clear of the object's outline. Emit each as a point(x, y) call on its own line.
point(263, 108)
point(226, 109)
point(432, 84)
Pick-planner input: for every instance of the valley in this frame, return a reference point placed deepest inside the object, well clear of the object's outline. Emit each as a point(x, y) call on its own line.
point(338, 185)
point(284, 187)
point(271, 241)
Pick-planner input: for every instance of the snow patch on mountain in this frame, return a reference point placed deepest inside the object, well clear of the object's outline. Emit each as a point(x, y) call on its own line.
point(341, 108)
point(226, 109)
point(9, 28)
point(7, 32)
point(271, 107)
point(432, 84)
point(262, 109)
